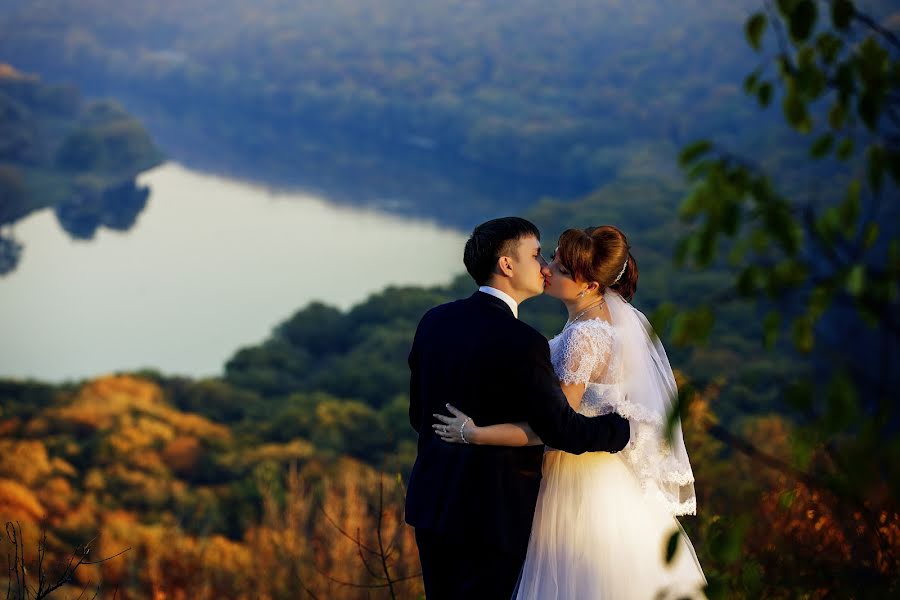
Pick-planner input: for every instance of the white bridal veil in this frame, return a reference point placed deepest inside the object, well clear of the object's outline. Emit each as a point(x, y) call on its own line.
point(645, 396)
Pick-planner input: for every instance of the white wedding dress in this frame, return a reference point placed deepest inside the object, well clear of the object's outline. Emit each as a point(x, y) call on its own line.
point(603, 520)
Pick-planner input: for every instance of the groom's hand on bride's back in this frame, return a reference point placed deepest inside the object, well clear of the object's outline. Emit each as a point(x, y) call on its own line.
point(621, 431)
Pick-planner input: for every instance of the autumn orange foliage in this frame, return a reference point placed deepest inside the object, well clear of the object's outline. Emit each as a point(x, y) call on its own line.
point(107, 461)
point(790, 529)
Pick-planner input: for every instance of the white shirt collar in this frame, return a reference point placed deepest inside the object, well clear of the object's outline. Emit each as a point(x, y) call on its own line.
point(491, 291)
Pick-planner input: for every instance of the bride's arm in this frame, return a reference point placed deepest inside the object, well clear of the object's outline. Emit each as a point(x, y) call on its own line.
point(452, 429)
point(503, 434)
point(573, 392)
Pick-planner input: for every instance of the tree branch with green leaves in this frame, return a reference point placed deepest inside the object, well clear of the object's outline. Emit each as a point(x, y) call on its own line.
point(816, 246)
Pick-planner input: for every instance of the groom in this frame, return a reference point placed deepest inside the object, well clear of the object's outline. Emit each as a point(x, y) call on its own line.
point(472, 506)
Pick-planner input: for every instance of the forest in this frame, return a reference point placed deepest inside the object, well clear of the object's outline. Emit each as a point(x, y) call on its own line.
point(526, 98)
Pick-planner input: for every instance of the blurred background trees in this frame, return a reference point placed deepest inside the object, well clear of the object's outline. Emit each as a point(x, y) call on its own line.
point(820, 262)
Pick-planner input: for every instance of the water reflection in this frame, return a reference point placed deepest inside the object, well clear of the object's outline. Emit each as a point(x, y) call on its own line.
point(86, 209)
point(10, 252)
point(116, 208)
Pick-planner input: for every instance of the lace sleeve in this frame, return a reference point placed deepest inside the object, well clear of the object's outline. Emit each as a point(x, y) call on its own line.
point(579, 351)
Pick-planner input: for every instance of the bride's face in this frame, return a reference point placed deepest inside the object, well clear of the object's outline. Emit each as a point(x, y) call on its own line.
point(560, 283)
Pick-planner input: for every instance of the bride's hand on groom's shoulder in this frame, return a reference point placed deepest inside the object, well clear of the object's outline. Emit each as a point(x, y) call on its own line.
point(455, 429)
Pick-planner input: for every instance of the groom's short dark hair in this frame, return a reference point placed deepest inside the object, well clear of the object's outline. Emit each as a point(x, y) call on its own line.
point(491, 240)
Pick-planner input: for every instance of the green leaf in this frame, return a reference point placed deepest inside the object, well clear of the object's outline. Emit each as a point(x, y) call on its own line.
point(751, 577)
point(682, 249)
point(802, 448)
point(693, 151)
point(672, 546)
point(875, 167)
point(868, 107)
point(738, 251)
point(771, 326)
point(680, 334)
point(819, 300)
point(785, 66)
point(842, 404)
point(806, 57)
point(786, 499)
point(706, 248)
point(786, 7)
point(845, 149)
point(692, 326)
point(817, 84)
point(693, 204)
point(679, 409)
point(701, 169)
point(759, 240)
point(849, 208)
point(749, 280)
point(795, 111)
point(661, 318)
point(822, 146)
point(799, 395)
point(731, 217)
point(842, 12)
point(702, 321)
point(844, 80)
point(829, 223)
point(754, 28)
point(802, 333)
point(718, 588)
point(802, 20)
point(870, 235)
point(764, 94)
point(892, 159)
point(787, 273)
point(750, 81)
point(837, 114)
point(873, 62)
point(829, 46)
point(726, 541)
point(856, 280)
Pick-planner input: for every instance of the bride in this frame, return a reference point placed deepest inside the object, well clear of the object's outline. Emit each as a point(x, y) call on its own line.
point(603, 521)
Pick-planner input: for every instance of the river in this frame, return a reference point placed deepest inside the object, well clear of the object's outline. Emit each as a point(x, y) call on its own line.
point(211, 265)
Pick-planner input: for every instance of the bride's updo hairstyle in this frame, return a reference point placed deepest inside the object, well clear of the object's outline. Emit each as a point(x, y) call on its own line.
point(599, 254)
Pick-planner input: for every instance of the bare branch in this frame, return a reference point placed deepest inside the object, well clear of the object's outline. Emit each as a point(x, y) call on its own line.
point(370, 586)
point(103, 560)
point(887, 34)
point(780, 36)
point(363, 558)
point(44, 588)
point(83, 590)
point(344, 533)
point(384, 564)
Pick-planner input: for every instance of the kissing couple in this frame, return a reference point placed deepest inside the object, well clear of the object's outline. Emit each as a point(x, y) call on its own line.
point(543, 470)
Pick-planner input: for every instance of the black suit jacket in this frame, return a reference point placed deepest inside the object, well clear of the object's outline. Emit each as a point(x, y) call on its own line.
point(476, 355)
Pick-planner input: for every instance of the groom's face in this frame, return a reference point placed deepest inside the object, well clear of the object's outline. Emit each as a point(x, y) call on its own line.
point(530, 268)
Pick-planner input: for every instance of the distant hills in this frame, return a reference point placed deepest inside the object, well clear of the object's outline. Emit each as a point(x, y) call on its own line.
point(456, 110)
point(510, 101)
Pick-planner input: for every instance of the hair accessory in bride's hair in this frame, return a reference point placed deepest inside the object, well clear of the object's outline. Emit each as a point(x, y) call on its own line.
point(619, 276)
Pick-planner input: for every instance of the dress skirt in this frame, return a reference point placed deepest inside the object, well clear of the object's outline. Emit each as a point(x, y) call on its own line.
point(596, 535)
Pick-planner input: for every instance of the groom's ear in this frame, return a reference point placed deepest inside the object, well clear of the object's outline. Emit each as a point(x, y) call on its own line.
point(504, 266)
